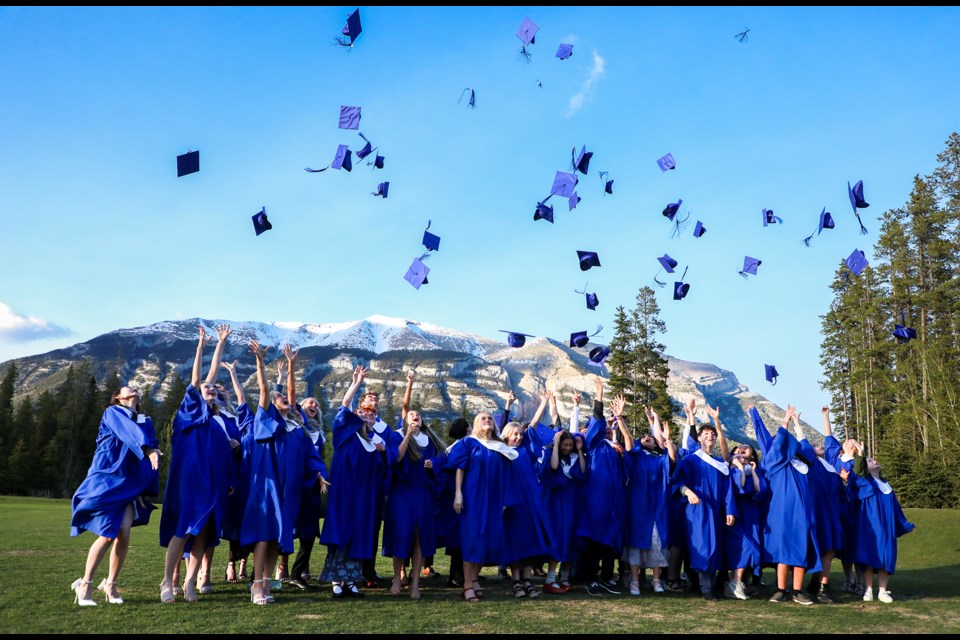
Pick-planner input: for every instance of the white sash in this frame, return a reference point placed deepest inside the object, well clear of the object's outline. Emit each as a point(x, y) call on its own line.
point(826, 465)
point(846, 458)
point(800, 466)
point(720, 466)
point(421, 439)
point(367, 444)
point(567, 466)
point(884, 487)
point(499, 447)
point(379, 427)
point(223, 425)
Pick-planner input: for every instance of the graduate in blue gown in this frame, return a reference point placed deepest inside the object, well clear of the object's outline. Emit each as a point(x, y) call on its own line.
point(704, 480)
point(311, 503)
point(200, 476)
point(646, 535)
point(283, 464)
point(743, 540)
point(113, 496)
point(882, 521)
point(789, 537)
point(356, 484)
point(841, 457)
point(481, 463)
point(448, 520)
point(677, 505)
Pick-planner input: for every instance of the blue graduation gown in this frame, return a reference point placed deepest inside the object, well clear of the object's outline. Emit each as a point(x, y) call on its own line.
point(850, 509)
point(881, 522)
point(648, 477)
point(481, 520)
point(828, 501)
point(704, 522)
point(200, 474)
point(236, 501)
point(562, 509)
point(524, 523)
point(677, 504)
point(283, 463)
point(448, 520)
point(118, 475)
point(356, 484)
point(602, 497)
point(311, 501)
point(743, 540)
point(789, 536)
point(411, 506)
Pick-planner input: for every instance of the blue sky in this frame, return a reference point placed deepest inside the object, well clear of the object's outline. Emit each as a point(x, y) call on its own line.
point(101, 234)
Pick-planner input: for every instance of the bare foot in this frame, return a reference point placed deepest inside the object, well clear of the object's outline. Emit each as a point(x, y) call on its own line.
point(395, 587)
point(414, 590)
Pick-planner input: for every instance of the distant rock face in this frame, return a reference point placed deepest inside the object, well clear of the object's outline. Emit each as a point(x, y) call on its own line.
point(456, 372)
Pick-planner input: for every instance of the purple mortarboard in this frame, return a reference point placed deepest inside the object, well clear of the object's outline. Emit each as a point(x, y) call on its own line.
point(564, 184)
point(770, 372)
point(599, 355)
point(699, 229)
point(857, 262)
point(378, 161)
point(351, 29)
point(367, 148)
point(579, 339)
point(382, 189)
point(416, 275)
point(670, 211)
point(188, 163)
point(472, 103)
point(528, 35)
point(565, 51)
point(750, 266)
point(573, 201)
point(769, 218)
point(430, 241)
point(680, 290)
point(543, 212)
point(666, 163)
point(349, 117)
point(608, 184)
point(515, 339)
point(904, 334)
point(343, 159)
point(669, 264)
point(582, 163)
point(826, 222)
point(592, 301)
point(260, 222)
point(588, 259)
point(857, 202)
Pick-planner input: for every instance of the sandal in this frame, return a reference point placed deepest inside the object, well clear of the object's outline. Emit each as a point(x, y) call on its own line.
point(190, 591)
point(471, 598)
point(518, 591)
point(242, 576)
point(256, 598)
point(532, 591)
point(477, 590)
point(166, 593)
point(204, 583)
point(230, 573)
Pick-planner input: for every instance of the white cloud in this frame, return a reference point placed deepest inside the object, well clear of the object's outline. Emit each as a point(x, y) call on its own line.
point(15, 327)
point(577, 101)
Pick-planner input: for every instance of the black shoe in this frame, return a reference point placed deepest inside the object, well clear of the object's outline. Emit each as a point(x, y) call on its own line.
point(610, 586)
point(778, 596)
point(454, 583)
point(824, 596)
point(352, 591)
point(801, 598)
point(595, 589)
point(709, 596)
point(300, 583)
point(338, 591)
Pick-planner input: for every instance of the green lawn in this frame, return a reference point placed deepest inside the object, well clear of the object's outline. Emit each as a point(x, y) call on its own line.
point(39, 560)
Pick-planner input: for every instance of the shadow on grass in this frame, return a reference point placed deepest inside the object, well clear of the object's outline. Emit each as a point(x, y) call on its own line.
point(932, 582)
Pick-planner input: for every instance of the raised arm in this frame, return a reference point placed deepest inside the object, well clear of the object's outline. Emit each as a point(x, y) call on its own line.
point(598, 398)
point(668, 441)
point(223, 331)
point(198, 359)
point(797, 429)
point(575, 413)
point(260, 353)
point(555, 454)
point(544, 399)
point(654, 421)
point(554, 413)
point(237, 389)
point(618, 405)
point(358, 375)
point(826, 422)
point(405, 407)
point(714, 413)
point(291, 357)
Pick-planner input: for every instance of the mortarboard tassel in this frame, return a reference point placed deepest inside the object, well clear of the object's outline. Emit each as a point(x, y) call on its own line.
point(679, 225)
point(807, 240)
point(863, 229)
point(658, 282)
point(472, 103)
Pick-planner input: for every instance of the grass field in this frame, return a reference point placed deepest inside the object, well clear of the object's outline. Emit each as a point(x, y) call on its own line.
point(39, 560)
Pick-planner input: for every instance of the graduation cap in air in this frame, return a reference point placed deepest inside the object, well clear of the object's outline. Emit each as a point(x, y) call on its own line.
point(666, 163)
point(857, 262)
point(771, 374)
point(857, 202)
point(699, 229)
point(769, 218)
point(588, 259)
point(592, 300)
point(472, 102)
point(188, 163)
point(582, 161)
point(902, 332)
point(430, 241)
point(528, 36)
point(580, 339)
point(341, 160)
point(564, 51)
point(607, 184)
point(543, 212)
point(416, 275)
point(598, 356)
point(382, 189)
point(668, 264)
point(573, 201)
point(516, 339)
point(349, 117)
point(826, 222)
point(564, 184)
point(670, 213)
point(350, 30)
point(681, 288)
point(367, 148)
point(260, 222)
point(750, 266)
point(377, 162)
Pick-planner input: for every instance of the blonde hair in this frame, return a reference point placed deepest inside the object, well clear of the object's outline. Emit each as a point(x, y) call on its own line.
point(477, 424)
point(508, 430)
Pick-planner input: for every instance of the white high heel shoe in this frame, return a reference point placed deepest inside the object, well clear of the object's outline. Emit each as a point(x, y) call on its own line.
point(103, 586)
point(77, 587)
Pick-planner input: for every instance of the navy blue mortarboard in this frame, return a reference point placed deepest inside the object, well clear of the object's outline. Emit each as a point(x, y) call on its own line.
point(857, 262)
point(367, 148)
point(770, 372)
point(608, 184)
point(528, 35)
point(573, 201)
point(430, 241)
point(382, 189)
point(543, 212)
point(378, 162)
point(769, 218)
point(342, 159)
point(681, 288)
point(666, 163)
point(564, 184)
point(599, 355)
point(564, 51)
point(588, 259)
point(699, 229)
point(349, 117)
point(592, 301)
point(857, 202)
point(750, 266)
point(826, 222)
point(582, 162)
point(188, 163)
point(260, 222)
point(904, 334)
point(516, 339)
point(416, 275)
point(580, 339)
point(472, 102)
point(351, 29)
point(670, 211)
point(669, 264)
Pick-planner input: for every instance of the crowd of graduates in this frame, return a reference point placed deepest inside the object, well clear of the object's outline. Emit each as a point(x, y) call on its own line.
point(520, 496)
